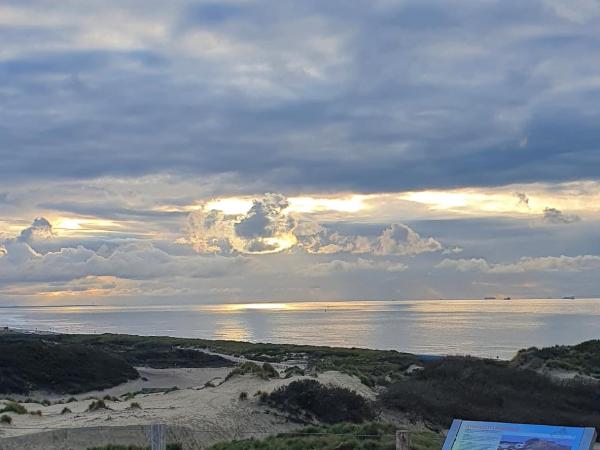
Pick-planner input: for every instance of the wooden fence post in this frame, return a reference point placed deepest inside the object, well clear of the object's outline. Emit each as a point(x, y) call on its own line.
point(158, 437)
point(402, 440)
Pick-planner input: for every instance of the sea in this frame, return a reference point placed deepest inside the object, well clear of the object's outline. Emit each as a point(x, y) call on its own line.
point(485, 328)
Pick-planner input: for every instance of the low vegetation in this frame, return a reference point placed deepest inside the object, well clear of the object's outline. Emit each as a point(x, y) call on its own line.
point(373, 367)
point(97, 405)
point(343, 436)
point(5, 419)
point(149, 351)
point(476, 389)
point(583, 358)
point(13, 407)
point(312, 400)
point(32, 363)
point(264, 371)
point(133, 447)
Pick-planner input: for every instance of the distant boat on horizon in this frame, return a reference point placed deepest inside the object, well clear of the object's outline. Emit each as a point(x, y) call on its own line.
point(489, 298)
point(507, 298)
point(569, 297)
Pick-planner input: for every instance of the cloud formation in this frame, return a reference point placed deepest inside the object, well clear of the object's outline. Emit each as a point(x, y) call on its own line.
point(268, 227)
point(526, 264)
point(357, 265)
point(40, 229)
point(274, 93)
point(557, 217)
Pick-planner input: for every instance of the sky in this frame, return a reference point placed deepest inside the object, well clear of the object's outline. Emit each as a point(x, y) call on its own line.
point(202, 152)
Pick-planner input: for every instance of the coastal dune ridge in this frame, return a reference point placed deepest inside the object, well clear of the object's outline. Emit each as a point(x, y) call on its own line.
point(208, 392)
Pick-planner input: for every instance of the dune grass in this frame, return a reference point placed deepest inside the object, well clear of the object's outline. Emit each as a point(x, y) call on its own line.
point(343, 436)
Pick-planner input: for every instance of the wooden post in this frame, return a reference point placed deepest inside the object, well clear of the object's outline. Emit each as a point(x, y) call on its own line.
point(402, 440)
point(158, 438)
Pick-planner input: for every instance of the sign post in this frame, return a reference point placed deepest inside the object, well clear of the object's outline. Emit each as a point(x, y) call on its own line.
point(402, 440)
point(158, 438)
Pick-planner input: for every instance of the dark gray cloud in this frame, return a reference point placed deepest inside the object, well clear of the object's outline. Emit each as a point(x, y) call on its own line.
point(303, 96)
point(557, 217)
point(40, 229)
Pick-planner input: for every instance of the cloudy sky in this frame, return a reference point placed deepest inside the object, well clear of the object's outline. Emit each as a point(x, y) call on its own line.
point(199, 151)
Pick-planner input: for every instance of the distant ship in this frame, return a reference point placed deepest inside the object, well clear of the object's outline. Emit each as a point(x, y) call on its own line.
point(507, 298)
point(569, 297)
point(489, 298)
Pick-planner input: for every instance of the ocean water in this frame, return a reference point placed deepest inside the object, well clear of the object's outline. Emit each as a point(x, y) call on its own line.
point(489, 328)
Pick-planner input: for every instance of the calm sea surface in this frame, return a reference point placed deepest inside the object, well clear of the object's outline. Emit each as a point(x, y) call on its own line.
point(480, 327)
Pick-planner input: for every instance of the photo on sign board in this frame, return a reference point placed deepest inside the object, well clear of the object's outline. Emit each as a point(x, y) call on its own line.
point(515, 442)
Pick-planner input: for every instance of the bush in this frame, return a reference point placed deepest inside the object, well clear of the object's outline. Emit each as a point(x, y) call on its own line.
point(14, 407)
point(293, 371)
point(97, 405)
point(475, 389)
point(36, 413)
point(326, 403)
point(31, 363)
point(5, 419)
point(243, 396)
point(135, 405)
point(66, 410)
point(269, 371)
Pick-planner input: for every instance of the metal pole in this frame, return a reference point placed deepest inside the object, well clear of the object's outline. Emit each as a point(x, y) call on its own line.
point(158, 438)
point(402, 440)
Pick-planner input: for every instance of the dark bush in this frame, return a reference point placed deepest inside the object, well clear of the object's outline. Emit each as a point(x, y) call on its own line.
point(31, 363)
point(5, 419)
point(326, 403)
point(97, 405)
point(476, 389)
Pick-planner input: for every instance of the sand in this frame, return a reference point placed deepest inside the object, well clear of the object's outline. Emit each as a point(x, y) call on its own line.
point(205, 415)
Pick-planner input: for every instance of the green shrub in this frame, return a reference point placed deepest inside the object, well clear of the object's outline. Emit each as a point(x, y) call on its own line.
point(66, 410)
point(293, 371)
point(135, 405)
point(36, 413)
point(243, 396)
point(97, 405)
point(14, 407)
point(326, 403)
point(5, 419)
point(268, 371)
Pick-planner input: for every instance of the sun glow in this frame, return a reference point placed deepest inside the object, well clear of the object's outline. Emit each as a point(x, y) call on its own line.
point(69, 225)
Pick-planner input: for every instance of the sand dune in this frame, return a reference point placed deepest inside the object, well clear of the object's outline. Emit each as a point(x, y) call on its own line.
point(207, 414)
